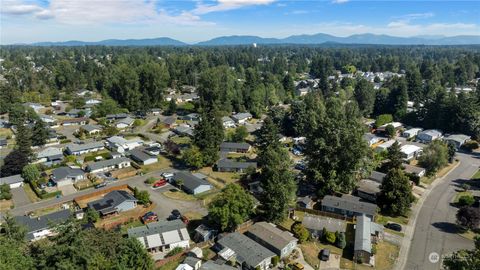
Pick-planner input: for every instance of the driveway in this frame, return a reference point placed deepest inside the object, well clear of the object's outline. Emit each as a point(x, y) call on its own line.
point(67, 190)
point(435, 231)
point(19, 197)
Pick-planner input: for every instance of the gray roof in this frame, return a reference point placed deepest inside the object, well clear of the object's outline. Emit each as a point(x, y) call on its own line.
point(3, 142)
point(117, 116)
point(431, 132)
point(211, 265)
point(106, 163)
point(190, 181)
point(350, 203)
point(42, 222)
point(226, 119)
point(234, 145)
point(11, 179)
point(83, 147)
point(110, 201)
point(126, 121)
point(246, 250)
point(184, 130)
point(270, 234)
point(140, 155)
point(317, 223)
point(169, 120)
point(377, 176)
point(63, 172)
point(242, 116)
point(90, 128)
point(49, 152)
point(156, 228)
point(192, 261)
point(227, 163)
point(461, 138)
point(368, 186)
point(413, 169)
point(363, 239)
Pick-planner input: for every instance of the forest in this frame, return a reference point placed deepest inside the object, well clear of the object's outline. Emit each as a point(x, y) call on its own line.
point(244, 78)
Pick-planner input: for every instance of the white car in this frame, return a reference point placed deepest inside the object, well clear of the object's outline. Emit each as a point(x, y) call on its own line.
point(167, 175)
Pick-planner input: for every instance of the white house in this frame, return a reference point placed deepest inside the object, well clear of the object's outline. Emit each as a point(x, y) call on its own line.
point(457, 139)
point(14, 181)
point(410, 151)
point(228, 122)
point(108, 165)
point(80, 149)
point(161, 236)
point(384, 146)
point(371, 139)
point(64, 176)
point(121, 145)
point(409, 133)
point(241, 118)
point(92, 102)
point(41, 227)
point(429, 135)
point(49, 120)
point(124, 123)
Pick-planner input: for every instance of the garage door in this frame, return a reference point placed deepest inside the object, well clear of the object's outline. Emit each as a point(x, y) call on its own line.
point(65, 183)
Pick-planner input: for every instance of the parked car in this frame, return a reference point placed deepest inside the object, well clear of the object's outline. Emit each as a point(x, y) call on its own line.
point(175, 215)
point(325, 254)
point(104, 184)
point(167, 175)
point(160, 183)
point(394, 226)
point(297, 266)
point(149, 217)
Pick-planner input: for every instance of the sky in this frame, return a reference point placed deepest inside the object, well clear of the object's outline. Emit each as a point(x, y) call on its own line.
point(27, 21)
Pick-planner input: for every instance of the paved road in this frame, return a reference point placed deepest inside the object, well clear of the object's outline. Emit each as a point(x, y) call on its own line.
point(435, 229)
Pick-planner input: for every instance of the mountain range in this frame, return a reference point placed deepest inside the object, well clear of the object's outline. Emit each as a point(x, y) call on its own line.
point(295, 39)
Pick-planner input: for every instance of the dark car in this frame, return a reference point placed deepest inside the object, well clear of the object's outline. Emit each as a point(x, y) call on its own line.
point(104, 184)
point(394, 226)
point(325, 254)
point(175, 214)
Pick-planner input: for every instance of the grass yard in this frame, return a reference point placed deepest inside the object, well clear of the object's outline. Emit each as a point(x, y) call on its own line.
point(6, 204)
point(468, 234)
point(181, 140)
point(32, 196)
point(312, 249)
point(381, 219)
point(460, 194)
point(439, 174)
point(179, 195)
point(476, 176)
point(386, 255)
point(162, 163)
point(172, 265)
point(6, 132)
point(133, 224)
point(221, 178)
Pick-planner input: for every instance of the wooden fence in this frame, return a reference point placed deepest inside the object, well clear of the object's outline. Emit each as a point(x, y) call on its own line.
point(80, 199)
point(323, 213)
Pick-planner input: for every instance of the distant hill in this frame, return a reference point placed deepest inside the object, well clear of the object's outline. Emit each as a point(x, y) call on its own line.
point(319, 38)
point(162, 41)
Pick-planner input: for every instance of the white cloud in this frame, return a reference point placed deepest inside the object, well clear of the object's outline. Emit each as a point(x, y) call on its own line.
point(339, 1)
point(97, 12)
point(224, 5)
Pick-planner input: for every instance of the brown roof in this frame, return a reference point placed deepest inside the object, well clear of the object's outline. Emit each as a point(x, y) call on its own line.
point(271, 235)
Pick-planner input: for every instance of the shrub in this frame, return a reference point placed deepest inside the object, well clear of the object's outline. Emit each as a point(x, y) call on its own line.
point(330, 237)
point(470, 145)
point(150, 180)
point(174, 251)
point(300, 232)
point(341, 241)
point(275, 260)
point(466, 200)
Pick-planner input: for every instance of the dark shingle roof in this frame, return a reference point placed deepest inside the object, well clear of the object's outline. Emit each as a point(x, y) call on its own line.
point(226, 163)
point(106, 163)
point(270, 234)
point(11, 179)
point(111, 200)
point(190, 181)
point(139, 155)
point(234, 145)
point(42, 222)
point(246, 250)
point(63, 172)
point(350, 203)
point(156, 228)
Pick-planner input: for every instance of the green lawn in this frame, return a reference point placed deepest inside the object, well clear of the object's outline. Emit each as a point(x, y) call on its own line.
point(181, 140)
point(381, 219)
point(172, 265)
point(460, 194)
point(476, 176)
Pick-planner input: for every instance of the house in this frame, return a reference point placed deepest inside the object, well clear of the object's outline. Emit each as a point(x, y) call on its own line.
point(377, 176)
point(84, 92)
point(191, 183)
point(409, 133)
point(227, 165)
point(4, 123)
point(113, 117)
point(384, 146)
point(108, 165)
point(457, 139)
point(50, 156)
point(348, 206)
point(141, 157)
point(170, 121)
point(75, 121)
point(195, 252)
point(156, 111)
point(246, 252)
point(214, 265)
point(368, 189)
point(124, 123)
point(233, 147)
point(315, 224)
point(371, 139)
point(184, 130)
point(417, 171)
point(92, 101)
point(92, 129)
point(228, 122)
point(47, 119)
point(241, 118)
point(35, 106)
point(192, 117)
point(396, 126)
point(410, 151)
point(3, 142)
point(302, 91)
point(121, 145)
point(204, 233)
point(14, 181)
point(278, 241)
point(42, 226)
point(366, 233)
point(80, 149)
point(429, 135)
point(114, 202)
point(161, 236)
point(305, 202)
point(193, 262)
point(67, 176)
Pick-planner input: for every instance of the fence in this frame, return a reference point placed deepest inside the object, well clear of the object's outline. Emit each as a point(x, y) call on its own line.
point(80, 199)
point(323, 213)
point(175, 257)
point(109, 223)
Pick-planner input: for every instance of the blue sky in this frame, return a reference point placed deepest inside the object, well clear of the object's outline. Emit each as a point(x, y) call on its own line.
point(25, 21)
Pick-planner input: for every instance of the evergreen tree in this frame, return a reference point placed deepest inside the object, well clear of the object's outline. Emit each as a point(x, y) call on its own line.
point(365, 96)
point(395, 193)
point(395, 159)
point(39, 133)
point(208, 136)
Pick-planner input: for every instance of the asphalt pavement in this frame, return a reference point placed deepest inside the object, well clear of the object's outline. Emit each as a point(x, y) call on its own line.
point(435, 234)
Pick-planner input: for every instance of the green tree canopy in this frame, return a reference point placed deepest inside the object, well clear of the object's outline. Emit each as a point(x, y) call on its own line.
point(395, 193)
